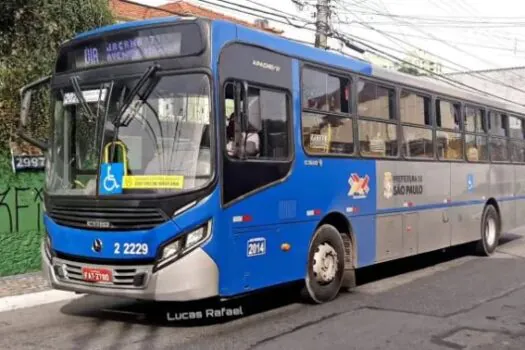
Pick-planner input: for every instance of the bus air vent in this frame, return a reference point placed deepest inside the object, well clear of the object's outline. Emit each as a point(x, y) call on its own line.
point(107, 219)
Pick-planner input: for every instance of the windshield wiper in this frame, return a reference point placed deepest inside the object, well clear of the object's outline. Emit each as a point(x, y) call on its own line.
point(129, 99)
point(80, 96)
point(135, 91)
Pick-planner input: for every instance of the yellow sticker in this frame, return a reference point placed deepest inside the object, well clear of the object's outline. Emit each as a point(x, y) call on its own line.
point(153, 181)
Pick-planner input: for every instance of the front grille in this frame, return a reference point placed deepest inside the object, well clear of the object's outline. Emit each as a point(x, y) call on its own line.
point(108, 219)
point(129, 277)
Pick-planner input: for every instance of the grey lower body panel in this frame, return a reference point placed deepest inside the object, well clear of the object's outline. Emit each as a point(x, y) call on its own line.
point(404, 234)
point(193, 277)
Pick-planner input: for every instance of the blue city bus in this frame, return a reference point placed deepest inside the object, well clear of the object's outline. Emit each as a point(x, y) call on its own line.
point(193, 159)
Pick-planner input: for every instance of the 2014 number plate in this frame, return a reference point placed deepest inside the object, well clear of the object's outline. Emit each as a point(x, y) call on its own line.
point(256, 246)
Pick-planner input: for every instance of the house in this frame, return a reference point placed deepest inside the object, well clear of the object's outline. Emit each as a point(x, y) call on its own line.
point(127, 10)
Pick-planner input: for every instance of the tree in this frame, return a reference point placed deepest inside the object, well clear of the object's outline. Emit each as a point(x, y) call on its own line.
point(31, 32)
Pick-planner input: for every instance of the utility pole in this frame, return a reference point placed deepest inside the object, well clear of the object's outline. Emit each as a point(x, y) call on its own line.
point(322, 23)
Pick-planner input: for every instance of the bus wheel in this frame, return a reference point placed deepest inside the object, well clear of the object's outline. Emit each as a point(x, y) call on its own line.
point(490, 231)
point(325, 266)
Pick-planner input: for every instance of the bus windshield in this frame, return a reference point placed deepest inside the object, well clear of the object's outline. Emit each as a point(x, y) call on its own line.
point(162, 132)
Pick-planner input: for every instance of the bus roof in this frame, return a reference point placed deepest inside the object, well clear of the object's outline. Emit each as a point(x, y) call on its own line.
point(315, 55)
point(256, 37)
point(443, 88)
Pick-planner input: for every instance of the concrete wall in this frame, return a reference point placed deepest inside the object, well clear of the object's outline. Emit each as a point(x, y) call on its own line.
point(21, 225)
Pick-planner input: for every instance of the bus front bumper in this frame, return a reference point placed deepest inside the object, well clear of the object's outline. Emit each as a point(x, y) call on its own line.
point(193, 277)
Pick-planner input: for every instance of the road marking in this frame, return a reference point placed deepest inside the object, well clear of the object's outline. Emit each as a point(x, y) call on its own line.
point(22, 301)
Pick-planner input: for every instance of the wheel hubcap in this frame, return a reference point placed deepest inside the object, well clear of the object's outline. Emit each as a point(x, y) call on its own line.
point(325, 263)
point(490, 231)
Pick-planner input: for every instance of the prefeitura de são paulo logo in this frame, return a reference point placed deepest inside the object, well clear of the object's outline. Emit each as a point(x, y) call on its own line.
point(358, 186)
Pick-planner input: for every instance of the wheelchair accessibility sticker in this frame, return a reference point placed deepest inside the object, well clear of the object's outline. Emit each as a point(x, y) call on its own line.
point(154, 181)
point(111, 177)
point(112, 180)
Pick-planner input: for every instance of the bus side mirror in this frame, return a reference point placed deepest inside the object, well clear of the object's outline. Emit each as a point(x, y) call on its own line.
point(26, 94)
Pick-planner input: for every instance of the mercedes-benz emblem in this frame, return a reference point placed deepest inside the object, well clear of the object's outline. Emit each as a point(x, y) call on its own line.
point(97, 246)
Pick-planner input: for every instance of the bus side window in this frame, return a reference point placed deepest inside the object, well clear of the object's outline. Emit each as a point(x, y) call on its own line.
point(265, 130)
point(449, 137)
point(377, 127)
point(268, 117)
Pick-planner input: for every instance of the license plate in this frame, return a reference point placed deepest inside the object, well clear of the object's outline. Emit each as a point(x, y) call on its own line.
point(96, 275)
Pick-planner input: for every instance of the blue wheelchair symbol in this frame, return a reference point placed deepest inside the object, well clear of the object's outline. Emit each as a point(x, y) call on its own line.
point(470, 182)
point(110, 179)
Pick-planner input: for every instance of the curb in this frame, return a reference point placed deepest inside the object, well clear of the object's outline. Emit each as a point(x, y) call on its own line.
point(22, 301)
point(21, 276)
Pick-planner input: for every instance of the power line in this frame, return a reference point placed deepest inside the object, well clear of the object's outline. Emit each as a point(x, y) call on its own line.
point(499, 48)
point(479, 75)
point(437, 39)
point(257, 13)
point(448, 25)
point(437, 18)
point(445, 78)
point(402, 52)
point(506, 35)
point(287, 22)
point(475, 13)
point(289, 15)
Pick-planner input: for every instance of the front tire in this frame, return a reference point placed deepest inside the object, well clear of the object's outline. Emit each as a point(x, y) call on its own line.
point(325, 268)
point(490, 231)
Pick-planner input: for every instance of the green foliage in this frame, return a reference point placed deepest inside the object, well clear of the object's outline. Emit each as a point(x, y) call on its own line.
point(31, 32)
point(20, 252)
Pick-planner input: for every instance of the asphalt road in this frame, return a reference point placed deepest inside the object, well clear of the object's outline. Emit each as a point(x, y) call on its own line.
point(444, 300)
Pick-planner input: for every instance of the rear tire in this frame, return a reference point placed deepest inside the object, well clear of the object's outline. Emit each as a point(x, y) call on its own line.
point(490, 231)
point(326, 262)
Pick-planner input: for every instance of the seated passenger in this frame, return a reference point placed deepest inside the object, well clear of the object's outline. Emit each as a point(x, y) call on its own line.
point(472, 154)
point(252, 141)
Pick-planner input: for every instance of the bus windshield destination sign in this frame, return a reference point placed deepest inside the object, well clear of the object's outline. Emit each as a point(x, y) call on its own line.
point(139, 47)
point(132, 46)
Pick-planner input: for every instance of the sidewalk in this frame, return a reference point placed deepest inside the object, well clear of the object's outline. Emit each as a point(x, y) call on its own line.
point(22, 284)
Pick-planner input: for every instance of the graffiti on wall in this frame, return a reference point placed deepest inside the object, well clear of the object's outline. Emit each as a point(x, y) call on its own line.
point(21, 221)
point(21, 209)
point(21, 204)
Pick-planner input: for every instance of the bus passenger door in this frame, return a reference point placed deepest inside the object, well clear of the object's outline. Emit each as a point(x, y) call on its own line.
point(255, 125)
point(257, 157)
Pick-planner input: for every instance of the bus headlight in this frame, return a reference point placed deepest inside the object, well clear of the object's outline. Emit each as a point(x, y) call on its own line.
point(182, 245)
